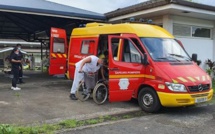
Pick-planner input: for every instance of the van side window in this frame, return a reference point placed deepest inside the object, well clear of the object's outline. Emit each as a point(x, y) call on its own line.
point(137, 43)
point(59, 45)
point(115, 48)
point(87, 46)
point(130, 53)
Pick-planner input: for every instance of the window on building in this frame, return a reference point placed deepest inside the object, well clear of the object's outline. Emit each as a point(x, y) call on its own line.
point(87, 46)
point(59, 45)
point(191, 31)
point(201, 32)
point(181, 30)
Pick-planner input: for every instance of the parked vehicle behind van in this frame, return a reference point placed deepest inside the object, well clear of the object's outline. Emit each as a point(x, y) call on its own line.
point(145, 62)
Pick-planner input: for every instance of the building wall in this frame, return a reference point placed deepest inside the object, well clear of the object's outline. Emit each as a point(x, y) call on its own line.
point(203, 47)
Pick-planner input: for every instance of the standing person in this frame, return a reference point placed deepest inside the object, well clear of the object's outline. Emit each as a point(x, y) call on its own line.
point(89, 64)
point(20, 81)
point(15, 62)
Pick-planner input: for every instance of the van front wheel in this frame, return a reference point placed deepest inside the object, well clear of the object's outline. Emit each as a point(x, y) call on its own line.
point(148, 100)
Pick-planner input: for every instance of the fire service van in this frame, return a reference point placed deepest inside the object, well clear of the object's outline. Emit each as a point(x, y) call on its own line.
point(145, 62)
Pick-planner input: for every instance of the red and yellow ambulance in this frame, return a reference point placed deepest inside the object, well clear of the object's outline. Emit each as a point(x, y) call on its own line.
point(145, 62)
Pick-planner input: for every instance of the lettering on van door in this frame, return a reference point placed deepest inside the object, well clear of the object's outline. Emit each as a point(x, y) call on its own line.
point(123, 83)
point(127, 72)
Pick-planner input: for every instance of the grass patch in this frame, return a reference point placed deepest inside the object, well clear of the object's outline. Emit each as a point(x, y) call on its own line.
point(67, 124)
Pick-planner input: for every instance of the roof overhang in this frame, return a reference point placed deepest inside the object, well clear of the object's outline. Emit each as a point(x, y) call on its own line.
point(162, 8)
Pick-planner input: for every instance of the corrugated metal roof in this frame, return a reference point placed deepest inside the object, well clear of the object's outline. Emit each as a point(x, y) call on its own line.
point(46, 7)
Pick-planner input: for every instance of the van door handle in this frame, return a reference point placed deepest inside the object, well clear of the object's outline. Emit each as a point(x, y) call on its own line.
point(53, 58)
point(114, 69)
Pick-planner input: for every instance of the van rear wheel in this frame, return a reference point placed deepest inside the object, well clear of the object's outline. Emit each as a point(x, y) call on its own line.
point(148, 100)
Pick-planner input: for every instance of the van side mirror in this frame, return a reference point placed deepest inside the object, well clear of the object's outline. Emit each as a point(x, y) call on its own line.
point(145, 59)
point(194, 57)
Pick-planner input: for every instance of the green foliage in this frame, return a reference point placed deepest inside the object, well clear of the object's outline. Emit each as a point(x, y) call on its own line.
point(69, 123)
point(209, 71)
point(52, 128)
point(6, 129)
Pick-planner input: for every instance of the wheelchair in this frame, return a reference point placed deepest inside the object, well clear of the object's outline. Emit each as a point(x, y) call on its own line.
point(91, 86)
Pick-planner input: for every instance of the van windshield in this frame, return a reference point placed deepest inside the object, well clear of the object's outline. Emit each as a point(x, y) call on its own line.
point(162, 49)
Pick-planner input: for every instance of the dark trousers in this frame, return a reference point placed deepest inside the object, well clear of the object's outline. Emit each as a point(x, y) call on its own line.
point(15, 77)
point(20, 74)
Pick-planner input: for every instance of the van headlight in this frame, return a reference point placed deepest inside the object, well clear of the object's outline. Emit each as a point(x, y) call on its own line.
point(176, 87)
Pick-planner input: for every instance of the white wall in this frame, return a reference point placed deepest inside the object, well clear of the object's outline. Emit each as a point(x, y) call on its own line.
point(202, 47)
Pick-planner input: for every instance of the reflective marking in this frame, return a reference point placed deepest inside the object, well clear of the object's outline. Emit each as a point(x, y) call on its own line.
point(174, 81)
point(161, 86)
point(53, 55)
point(182, 79)
point(198, 78)
point(59, 55)
point(190, 78)
point(203, 78)
point(208, 77)
point(64, 55)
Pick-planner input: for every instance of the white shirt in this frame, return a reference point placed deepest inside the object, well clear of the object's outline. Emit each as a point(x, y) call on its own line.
point(89, 67)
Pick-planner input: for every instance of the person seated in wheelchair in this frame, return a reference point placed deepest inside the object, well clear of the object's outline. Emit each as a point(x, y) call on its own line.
point(90, 64)
point(104, 72)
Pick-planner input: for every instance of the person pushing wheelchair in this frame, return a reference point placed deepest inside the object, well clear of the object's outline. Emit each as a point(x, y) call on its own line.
point(90, 64)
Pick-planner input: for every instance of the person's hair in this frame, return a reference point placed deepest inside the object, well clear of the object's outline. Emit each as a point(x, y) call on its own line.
point(106, 53)
point(18, 45)
point(14, 49)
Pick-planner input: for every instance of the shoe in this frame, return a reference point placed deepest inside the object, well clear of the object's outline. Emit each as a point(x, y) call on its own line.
point(73, 97)
point(15, 88)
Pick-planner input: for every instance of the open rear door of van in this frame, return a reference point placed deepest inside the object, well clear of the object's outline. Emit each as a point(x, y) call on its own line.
point(58, 52)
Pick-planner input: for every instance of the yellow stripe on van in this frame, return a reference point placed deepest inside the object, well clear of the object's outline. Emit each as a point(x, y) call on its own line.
point(53, 55)
point(192, 79)
point(73, 64)
point(59, 55)
point(132, 76)
point(182, 79)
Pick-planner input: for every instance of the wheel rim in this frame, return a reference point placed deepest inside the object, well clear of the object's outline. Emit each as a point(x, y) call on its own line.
point(100, 94)
point(148, 100)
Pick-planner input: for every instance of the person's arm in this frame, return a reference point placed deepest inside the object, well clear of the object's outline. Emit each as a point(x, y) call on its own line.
point(16, 61)
point(13, 60)
point(86, 60)
point(102, 73)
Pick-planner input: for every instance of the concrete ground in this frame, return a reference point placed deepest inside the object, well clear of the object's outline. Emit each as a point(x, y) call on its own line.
point(45, 98)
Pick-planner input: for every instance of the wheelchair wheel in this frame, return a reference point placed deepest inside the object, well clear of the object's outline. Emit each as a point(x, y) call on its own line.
point(80, 93)
point(100, 93)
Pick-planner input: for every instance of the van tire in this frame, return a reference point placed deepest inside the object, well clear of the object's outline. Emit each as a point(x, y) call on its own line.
point(148, 100)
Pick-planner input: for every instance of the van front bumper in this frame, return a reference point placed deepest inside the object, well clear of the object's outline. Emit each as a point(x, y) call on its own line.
point(185, 99)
